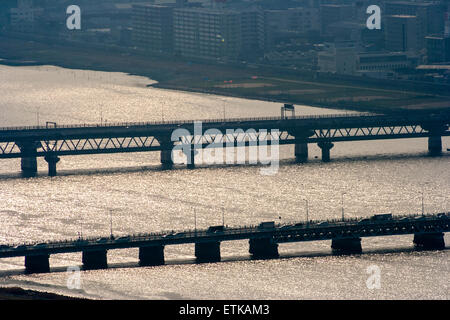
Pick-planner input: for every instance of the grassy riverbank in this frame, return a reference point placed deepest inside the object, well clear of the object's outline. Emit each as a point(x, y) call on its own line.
point(255, 82)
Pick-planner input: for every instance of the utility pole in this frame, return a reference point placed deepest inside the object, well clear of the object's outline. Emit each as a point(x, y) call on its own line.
point(110, 219)
point(423, 208)
point(223, 216)
point(307, 213)
point(342, 204)
point(195, 222)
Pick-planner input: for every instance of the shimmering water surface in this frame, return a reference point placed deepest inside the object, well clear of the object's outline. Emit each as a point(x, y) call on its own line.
point(376, 177)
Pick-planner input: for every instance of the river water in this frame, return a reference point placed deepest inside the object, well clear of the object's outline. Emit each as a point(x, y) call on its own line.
point(375, 177)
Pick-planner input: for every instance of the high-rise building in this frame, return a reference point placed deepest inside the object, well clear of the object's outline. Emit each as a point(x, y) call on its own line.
point(438, 49)
point(252, 33)
point(153, 27)
point(429, 14)
point(207, 33)
point(293, 20)
point(402, 33)
point(331, 13)
point(25, 17)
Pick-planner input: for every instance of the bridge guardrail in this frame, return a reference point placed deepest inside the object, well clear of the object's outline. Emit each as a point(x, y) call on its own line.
point(179, 122)
point(229, 231)
point(175, 122)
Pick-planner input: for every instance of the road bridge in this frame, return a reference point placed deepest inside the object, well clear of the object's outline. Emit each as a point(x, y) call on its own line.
point(345, 236)
point(52, 142)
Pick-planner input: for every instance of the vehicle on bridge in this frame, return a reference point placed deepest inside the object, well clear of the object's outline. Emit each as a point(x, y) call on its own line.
point(442, 216)
point(102, 240)
point(267, 225)
point(123, 239)
point(383, 216)
point(215, 229)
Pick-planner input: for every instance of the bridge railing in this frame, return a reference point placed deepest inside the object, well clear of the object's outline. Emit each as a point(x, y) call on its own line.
point(175, 122)
point(229, 230)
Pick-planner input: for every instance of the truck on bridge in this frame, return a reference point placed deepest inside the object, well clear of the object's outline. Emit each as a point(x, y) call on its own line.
point(383, 216)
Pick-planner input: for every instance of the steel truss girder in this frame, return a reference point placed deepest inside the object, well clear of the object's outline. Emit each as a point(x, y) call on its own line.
point(242, 138)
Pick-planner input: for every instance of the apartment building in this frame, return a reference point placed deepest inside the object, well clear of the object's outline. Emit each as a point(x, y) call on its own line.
point(153, 27)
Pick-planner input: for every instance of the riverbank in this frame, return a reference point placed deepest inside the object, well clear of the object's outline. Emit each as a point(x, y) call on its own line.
point(250, 82)
point(16, 293)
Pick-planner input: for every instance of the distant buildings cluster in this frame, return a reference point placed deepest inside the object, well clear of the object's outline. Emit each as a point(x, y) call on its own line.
point(315, 35)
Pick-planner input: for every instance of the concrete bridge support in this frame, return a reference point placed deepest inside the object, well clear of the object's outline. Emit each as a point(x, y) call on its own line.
point(429, 241)
point(326, 146)
point(346, 245)
point(28, 150)
point(52, 160)
point(166, 158)
point(166, 151)
point(37, 263)
point(435, 145)
point(207, 251)
point(301, 152)
point(264, 248)
point(94, 259)
point(151, 256)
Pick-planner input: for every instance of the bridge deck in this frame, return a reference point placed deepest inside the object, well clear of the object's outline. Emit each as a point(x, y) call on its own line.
point(294, 232)
point(20, 142)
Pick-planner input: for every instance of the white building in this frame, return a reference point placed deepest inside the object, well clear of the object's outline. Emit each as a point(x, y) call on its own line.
point(388, 61)
point(340, 58)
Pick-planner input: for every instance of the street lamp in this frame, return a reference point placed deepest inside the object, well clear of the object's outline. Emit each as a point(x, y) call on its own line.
point(223, 109)
point(423, 209)
point(342, 204)
point(307, 213)
point(223, 216)
point(195, 222)
point(110, 219)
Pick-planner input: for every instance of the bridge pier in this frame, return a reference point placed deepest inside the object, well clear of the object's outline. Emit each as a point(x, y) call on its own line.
point(434, 145)
point(429, 241)
point(326, 146)
point(94, 259)
point(207, 251)
point(151, 256)
point(37, 263)
point(166, 151)
point(264, 248)
point(28, 161)
point(166, 158)
point(301, 152)
point(346, 245)
point(52, 160)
